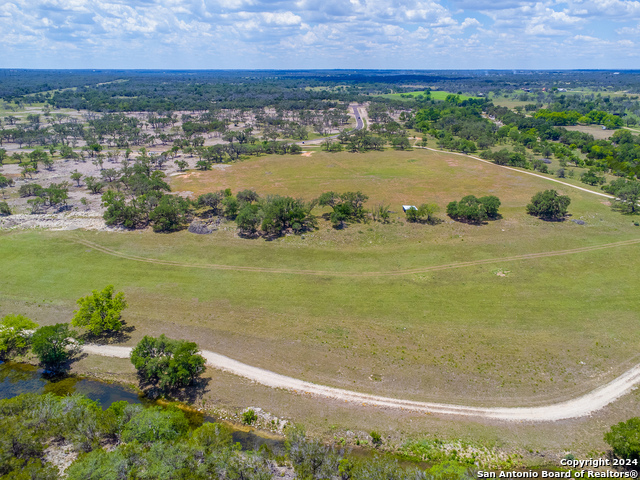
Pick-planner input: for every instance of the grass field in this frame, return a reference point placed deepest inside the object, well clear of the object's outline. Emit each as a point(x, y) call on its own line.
point(513, 332)
point(435, 95)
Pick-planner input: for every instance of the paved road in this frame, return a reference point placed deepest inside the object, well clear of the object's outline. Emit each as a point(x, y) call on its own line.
point(578, 407)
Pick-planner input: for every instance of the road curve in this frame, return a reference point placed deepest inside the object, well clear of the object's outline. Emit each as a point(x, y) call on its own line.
point(578, 407)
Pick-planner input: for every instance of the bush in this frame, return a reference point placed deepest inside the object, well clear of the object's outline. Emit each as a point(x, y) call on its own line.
point(213, 436)
point(50, 344)
point(376, 438)
point(249, 417)
point(155, 424)
point(248, 219)
point(424, 213)
point(31, 190)
point(624, 439)
point(168, 363)
point(15, 334)
point(4, 209)
point(170, 214)
point(549, 205)
point(591, 178)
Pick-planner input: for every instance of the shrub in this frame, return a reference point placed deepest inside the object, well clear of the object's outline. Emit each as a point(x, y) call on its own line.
point(4, 209)
point(249, 417)
point(170, 214)
point(591, 178)
point(624, 439)
point(155, 424)
point(50, 344)
point(212, 436)
point(168, 363)
point(15, 334)
point(424, 213)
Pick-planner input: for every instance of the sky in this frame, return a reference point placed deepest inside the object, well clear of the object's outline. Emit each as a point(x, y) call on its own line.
point(317, 34)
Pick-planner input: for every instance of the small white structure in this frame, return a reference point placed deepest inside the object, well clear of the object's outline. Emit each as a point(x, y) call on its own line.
point(408, 207)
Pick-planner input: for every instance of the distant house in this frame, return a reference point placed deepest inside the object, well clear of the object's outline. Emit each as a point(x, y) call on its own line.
point(408, 207)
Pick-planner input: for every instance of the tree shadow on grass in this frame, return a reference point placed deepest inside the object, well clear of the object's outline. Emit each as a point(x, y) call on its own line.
point(189, 394)
point(121, 336)
point(554, 219)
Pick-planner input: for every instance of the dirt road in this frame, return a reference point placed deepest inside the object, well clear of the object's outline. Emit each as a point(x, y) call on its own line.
point(389, 273)
point(578, 407)
point(518, 170)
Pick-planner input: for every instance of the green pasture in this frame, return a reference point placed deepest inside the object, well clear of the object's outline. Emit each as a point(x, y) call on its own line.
point(435, 95)
point(338, 307)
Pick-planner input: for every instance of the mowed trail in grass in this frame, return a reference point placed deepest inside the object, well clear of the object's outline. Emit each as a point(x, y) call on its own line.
point(523, 332)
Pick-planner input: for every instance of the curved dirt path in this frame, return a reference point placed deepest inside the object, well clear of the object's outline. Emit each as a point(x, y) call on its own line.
point(578, 407)
point(390, 273)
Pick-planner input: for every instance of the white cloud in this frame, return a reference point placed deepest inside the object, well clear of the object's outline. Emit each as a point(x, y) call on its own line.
point(329, 33)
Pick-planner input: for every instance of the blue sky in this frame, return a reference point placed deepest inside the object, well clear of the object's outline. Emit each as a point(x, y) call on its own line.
point(283, 34)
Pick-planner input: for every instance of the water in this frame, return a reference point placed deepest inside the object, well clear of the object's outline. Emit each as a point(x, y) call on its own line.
point(19, 378)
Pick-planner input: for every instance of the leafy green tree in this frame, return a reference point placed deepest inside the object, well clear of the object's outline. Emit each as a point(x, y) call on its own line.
point(98, 465)
point(35, 204)
point(470, 209)
point(94, 185)
point(4, 183)
point(491, 205)
point(181, 164)
point(249, 219)
point(340, 215)
point(627, 197)
point(231, 206)
point(51, 345)
point(57, 193)
point(591, 178)
point(100, 312)
point(624, 439)
point(247, 196)
point(168, 363)
point(4, 209)
point(281, 213)
point(76, 176)
point(15, 334)
point(346, 206)
point(119, 211)
point(170, 215)
point(211, 202)
point(549, 205)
